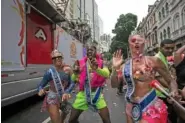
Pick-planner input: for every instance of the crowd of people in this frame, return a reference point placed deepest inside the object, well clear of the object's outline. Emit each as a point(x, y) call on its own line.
point(155, 85)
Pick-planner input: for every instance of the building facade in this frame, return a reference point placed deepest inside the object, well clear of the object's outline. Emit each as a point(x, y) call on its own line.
point(105, 42)
point(96, 23)
point(177, 11)
point(165, 19)
point(100, 25)
point(88, 10)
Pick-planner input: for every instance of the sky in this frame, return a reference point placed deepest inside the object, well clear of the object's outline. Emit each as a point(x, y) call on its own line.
point(109, 10)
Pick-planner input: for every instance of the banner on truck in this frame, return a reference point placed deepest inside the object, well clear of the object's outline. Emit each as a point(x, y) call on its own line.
point(13, 35)
point(71, 48)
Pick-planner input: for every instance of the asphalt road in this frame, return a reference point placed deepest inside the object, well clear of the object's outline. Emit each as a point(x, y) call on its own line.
point(28, 111)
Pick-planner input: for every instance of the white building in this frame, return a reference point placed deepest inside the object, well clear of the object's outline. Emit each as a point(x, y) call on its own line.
point(177, 11)
point(96, 23)
point(105, 42)
point(165, 19)
point(100, 25)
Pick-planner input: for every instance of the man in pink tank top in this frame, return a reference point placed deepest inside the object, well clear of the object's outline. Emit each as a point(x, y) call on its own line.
point(90, 70)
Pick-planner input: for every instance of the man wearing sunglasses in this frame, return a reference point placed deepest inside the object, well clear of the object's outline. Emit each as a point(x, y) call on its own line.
point(92, 75)
point(59, 79)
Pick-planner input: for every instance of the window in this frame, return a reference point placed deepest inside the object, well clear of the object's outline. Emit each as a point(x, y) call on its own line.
point(183, 16)
point(176, 22)
point(151, 21)
point(161, 36)
point(148, 25)
point(164, 33)
point(167, 8)
point(159, 16)
point(155, 36)
point(163, 12)
point(169, 32)
point(149, 40)
point(154, 19)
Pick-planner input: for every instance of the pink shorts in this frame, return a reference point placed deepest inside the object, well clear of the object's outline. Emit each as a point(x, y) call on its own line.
point(50, 99)
point(154, 113)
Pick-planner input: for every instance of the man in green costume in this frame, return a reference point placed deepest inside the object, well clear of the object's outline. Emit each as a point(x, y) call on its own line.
point(167, 47)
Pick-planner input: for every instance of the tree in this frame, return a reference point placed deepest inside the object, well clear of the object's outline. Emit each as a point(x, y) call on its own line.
point(123, 28)
point(107, 55)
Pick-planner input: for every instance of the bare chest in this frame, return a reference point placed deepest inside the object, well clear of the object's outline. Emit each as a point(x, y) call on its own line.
point(142, 71)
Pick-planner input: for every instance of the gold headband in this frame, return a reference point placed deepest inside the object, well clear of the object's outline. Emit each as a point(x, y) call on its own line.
point(56, 53)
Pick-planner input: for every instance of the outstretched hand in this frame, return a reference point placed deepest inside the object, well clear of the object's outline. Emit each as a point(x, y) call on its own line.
point(117, 59)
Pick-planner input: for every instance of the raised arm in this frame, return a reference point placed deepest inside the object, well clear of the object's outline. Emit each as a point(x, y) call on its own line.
point(178, 55)
point(164, 72)
point(116, 66)
point(103, 72)
point(181, 50)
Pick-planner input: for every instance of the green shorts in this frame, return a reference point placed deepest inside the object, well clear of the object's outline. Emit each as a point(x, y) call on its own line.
point(81, 103)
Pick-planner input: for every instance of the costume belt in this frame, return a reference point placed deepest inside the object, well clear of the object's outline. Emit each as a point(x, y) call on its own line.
point(142, 105)
point(87, 86)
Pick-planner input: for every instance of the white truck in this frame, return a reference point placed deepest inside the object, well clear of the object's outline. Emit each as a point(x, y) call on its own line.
point(28, 38)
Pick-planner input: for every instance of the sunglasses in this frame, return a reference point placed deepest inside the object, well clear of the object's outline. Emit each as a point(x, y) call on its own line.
point(58, 57)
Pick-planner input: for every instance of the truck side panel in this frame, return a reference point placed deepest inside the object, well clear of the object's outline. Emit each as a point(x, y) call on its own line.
point(13, 35)
point(68, 45)
point(39, 39)
point(18, 85)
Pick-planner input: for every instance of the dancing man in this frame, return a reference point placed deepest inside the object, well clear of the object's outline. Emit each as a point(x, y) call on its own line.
point(58, 77)
point(143, 106)
point(92, 76)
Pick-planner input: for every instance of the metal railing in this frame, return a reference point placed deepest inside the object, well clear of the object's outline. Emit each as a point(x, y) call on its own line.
point(60, 5)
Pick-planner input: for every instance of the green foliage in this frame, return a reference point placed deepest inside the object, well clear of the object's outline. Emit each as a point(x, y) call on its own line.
point(95, 42)
point(107, 55)
point(123, 28)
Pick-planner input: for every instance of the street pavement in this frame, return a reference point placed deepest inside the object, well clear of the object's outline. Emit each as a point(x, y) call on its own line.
point(26, 111)
point(30, 113)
